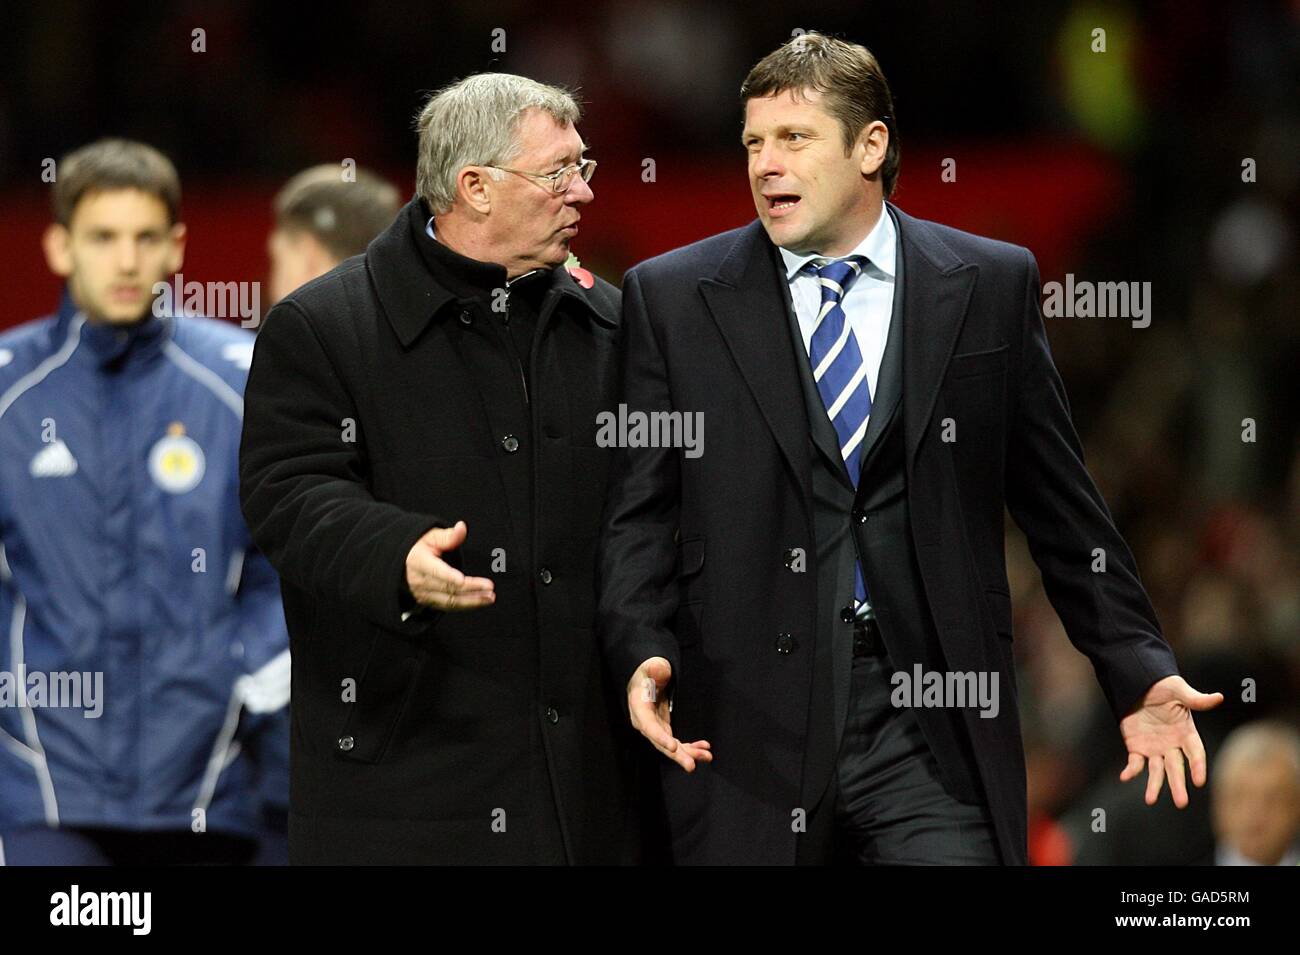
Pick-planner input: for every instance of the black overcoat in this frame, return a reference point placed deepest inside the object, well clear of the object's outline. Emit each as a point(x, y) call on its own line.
point(696, 555)
point(380, 405)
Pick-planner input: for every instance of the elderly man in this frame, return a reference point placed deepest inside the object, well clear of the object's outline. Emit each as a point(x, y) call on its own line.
point(1256, 791)
point(420, 463)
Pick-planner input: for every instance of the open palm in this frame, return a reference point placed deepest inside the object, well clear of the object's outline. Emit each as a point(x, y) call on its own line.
point(1160, 731)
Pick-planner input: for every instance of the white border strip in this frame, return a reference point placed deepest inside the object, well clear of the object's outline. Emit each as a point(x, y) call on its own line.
point(206, 376)
point(221, 753)
point(38, 374)
point(39, 763)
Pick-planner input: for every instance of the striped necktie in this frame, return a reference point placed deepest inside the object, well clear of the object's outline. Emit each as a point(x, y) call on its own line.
point(840, 372)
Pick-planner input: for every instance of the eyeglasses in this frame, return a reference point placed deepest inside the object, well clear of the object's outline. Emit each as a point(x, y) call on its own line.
point(560, 180)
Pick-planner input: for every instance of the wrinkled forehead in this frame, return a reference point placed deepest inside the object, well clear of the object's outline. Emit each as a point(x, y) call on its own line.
point(543, 141)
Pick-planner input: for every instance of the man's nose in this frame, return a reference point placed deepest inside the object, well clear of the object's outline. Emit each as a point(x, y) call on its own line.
point(128, 256)
point(579, 191)
point(767, 163)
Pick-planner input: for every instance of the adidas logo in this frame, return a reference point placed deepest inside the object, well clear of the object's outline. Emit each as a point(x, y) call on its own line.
point(54, 460)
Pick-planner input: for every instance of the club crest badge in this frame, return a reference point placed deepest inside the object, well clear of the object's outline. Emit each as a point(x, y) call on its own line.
point(176, 462)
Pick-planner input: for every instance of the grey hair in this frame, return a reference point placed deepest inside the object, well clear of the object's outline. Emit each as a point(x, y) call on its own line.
point(1257, 742)
point(475, 122)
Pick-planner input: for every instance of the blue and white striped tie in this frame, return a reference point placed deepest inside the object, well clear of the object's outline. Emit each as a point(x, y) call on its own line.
point(841, 374)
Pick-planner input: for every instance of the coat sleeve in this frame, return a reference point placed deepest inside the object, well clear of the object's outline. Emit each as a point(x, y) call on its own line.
point(303, 487)
point(636, 558)
point(1106, 614)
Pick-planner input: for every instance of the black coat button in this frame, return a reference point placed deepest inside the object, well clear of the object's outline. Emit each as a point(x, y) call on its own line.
point(510, 443)
point(466, 317)
point(866, 638)
point(552, 714)
point(545, 575)
point(784, 643)
point(859, 515)
point(346, 743)
point(790, 556)
point(847, 614)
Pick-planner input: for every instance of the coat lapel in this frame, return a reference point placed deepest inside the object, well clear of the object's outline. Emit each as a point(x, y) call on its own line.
point(932, 291)
point(889, 389)
point(936, 289)
point(744, 297)
point(823, 432)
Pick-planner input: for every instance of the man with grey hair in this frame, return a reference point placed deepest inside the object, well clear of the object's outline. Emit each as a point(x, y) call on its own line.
point(420, 463)
point(1256, 796)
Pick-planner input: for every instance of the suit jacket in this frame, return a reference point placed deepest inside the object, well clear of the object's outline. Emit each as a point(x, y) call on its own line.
point(694, 560)
point(380, 405)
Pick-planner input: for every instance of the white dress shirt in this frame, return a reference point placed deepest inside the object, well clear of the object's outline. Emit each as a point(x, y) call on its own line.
point(868, 304)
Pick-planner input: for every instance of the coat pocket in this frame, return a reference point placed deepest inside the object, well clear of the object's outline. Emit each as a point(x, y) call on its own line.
point(382, 694)
point(971, 364)
point(1000, 605)
point(690, 557)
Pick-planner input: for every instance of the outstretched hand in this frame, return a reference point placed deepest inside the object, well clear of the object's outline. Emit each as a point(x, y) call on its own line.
point(651, 714)
point(1160, 731)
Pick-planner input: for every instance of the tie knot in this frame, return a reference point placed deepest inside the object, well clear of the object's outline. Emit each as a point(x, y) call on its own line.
point(836, 277)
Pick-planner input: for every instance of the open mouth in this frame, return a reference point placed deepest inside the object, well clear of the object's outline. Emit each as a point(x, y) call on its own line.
point(781, 202)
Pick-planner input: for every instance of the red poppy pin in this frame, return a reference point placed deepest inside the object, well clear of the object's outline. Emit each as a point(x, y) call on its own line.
point(580, 275)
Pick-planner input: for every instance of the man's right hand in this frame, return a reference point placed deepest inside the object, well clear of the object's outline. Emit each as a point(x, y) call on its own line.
point(651, 715)
point(435, 583)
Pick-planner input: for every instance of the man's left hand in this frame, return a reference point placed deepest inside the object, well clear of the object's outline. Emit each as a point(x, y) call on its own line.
point(1160, 730)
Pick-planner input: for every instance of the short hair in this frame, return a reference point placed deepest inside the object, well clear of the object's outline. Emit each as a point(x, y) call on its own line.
point(1256, 742)
point(847, 74)
point(475, 122)
point(344, 215)
point(114, 164)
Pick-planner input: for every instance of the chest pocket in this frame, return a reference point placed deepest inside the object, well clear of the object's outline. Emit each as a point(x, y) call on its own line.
point(977, 364)
point(974, 397)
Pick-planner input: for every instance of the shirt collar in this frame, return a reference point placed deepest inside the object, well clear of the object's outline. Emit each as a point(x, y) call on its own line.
point(878, 246)
point(107, 343)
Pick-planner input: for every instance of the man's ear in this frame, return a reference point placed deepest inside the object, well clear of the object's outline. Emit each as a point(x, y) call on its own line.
point(874, 140)
point(176, 254)
point(56, 243)
point(319, 259)
point(474, 189)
